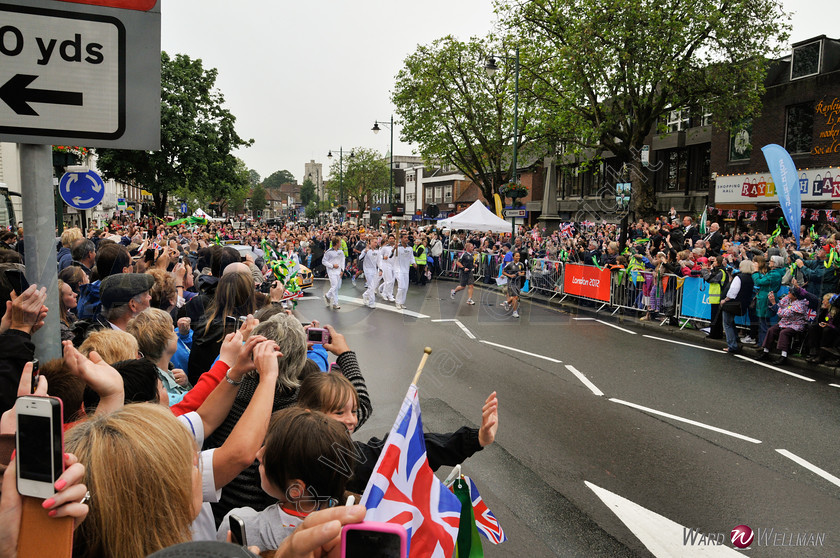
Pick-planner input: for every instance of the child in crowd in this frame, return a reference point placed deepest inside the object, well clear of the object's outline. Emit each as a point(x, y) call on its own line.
point(334, 395)
point(292, 469)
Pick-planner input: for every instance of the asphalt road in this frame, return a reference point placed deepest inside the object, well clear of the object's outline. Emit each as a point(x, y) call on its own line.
point(611, 442)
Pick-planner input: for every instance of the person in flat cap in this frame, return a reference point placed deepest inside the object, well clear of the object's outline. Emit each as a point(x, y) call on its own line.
point(125, 295)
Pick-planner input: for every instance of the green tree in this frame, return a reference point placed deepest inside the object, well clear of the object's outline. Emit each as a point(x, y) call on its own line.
point(312, 210)
point(253, 177)
point(197, 137)
point(365, 175)
point(604, 72)
point(278, 178)
point(235, 192)
point(307, 192)
point(459, 115)
point(258, 201)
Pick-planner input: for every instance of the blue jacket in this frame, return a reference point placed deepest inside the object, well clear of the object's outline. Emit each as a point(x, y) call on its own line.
point(318, 354)
point(65, 258)
point(181, 358)
point(89, 303)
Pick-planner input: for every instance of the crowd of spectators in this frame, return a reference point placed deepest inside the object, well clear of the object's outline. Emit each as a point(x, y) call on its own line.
point(175, 419)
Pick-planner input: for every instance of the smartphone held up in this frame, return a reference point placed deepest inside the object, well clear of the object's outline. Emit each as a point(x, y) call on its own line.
point(39, 445)
point(372, 539)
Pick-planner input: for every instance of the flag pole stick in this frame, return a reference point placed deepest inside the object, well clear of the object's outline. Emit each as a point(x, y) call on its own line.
point(426, 352)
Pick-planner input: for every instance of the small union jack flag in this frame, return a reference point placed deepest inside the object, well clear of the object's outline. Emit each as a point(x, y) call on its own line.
point(812, 315)
point(404, 490)
point(485, 521)
point(567, 230)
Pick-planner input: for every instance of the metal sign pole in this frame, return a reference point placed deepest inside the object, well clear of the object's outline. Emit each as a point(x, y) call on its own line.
point(39, 240)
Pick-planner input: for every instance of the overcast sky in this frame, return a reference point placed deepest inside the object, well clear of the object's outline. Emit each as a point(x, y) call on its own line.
point(305, 77)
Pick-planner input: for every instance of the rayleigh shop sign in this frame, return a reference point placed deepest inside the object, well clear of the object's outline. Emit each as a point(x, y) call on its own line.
point(814, 185)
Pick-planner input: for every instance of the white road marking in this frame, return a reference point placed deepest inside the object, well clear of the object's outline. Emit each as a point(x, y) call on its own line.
point(834, 385)
point(584, 319)
point(584, 380)
point(459, 324)
point(361, 302)
point(688, 421)
point(681, 343)
point(810, 466)
point(616, 327)
point(776, 368)
point(662, 536)
point(465, 330)
point(520, 351)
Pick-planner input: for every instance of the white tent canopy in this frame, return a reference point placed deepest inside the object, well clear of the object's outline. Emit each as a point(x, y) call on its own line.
point(476, 218)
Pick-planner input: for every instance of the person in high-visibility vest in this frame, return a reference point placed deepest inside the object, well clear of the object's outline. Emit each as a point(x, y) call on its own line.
point(420, 260)
point(716, 276)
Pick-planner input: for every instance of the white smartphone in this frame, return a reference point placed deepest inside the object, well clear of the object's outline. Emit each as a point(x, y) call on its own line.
point(39, 445)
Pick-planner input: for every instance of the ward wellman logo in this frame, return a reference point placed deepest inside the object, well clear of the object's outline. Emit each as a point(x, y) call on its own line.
point(742, 536)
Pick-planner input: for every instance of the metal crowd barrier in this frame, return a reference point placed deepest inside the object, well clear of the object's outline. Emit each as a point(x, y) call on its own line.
point(635, 290)
point(448, 268)
point(546, 276)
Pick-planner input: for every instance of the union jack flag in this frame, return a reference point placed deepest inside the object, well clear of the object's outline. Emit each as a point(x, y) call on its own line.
point(403, 489)
point(485, 521)
point(567, 230)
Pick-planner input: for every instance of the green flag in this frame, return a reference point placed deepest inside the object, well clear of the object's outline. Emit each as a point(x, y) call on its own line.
point(469, 545)
point(703, 220)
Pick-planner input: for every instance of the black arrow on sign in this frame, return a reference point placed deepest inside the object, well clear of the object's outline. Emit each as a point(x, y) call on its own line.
point(18, 95)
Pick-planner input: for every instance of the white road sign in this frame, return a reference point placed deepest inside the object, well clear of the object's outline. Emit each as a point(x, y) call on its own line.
point(78, 74)
point(62, 72)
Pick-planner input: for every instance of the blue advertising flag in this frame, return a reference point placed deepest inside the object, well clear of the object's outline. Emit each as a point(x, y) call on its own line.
point(784, 175)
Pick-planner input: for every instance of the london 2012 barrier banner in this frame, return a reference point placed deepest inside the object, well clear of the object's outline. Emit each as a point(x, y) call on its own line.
point(587, 281)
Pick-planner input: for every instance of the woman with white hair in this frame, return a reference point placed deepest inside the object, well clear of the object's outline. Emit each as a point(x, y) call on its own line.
point(740, 291)
point(768, 279)
point(289, 335)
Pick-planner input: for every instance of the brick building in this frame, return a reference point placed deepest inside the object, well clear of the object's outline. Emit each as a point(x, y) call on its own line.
point(698, 162)
point(801, 112)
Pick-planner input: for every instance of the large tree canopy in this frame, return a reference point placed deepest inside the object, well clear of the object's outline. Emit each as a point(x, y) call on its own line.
point(197, 137)
point(603, 72)
point(278, 178)
point(307, 192)
point(365, 175)
point(459, 115)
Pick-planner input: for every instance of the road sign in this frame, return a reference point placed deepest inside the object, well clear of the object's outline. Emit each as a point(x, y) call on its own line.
point(73, 73)
point(516, 213)
point(184, 208)
point(82, 190)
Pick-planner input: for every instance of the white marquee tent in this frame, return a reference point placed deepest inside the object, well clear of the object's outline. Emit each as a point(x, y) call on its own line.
point(476, 218)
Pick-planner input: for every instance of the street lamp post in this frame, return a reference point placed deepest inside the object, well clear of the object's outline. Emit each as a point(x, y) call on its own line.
point(376, 129)
point(340, 172)
point(491, 68)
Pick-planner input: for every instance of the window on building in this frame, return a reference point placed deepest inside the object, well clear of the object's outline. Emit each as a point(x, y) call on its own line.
point(740, 142)
point(678, 119)
point(673, 176)
point(447, 194)
point(806, 60)
point(701, 117)
point(799, 129)
point(429, 195)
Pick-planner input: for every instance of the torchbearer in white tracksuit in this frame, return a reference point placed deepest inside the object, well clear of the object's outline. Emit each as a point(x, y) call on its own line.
point(405, 259)
point(387, 259)
point(333, 261)
point(370, 265)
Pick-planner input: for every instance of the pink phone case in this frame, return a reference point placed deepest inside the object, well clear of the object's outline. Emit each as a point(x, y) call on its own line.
point(375, 527)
